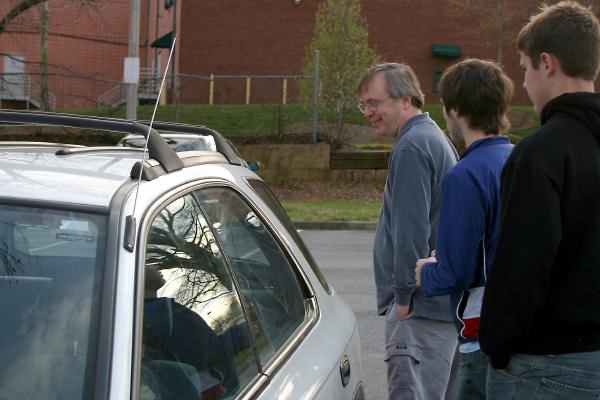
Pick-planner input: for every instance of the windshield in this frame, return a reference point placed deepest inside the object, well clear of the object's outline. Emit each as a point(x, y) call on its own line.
point(178, 143)
point(50, 274)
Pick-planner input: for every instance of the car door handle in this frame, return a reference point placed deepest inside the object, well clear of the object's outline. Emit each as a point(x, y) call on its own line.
point(345, 370)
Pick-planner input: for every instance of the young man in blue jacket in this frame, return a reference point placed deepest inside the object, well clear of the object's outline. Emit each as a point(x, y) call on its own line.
point(476, 95)
point(540, 320)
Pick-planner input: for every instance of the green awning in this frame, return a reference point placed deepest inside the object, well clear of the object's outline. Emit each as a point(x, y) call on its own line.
point(163, 42)
point(445, 50)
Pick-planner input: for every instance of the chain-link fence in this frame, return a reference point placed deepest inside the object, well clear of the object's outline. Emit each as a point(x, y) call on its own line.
point(73, 91)
point(70, 91)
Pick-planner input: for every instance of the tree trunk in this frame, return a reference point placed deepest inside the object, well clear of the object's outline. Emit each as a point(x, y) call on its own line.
point(501, 33)
point(44, 101)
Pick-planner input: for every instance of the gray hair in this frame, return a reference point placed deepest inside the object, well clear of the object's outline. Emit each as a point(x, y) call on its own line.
point(400, 80)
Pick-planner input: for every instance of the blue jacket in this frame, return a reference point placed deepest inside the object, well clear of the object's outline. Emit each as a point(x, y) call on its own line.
point(407, 226)
point(468, 231)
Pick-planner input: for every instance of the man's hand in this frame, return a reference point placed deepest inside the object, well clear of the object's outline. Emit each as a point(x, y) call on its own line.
point(420, 266)
point(403, 311)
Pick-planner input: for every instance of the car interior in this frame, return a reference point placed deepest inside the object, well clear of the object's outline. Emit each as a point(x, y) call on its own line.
point(47, 297)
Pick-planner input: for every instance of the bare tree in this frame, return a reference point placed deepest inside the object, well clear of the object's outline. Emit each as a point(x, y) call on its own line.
point(17, 10)
point(23, 5)
point(496, 17)
point(32, 16)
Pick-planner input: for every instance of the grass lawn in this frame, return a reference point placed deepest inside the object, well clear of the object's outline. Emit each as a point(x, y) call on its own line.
point(520, 133)
point(230, 120)
point(236, 120)
point(332, 210)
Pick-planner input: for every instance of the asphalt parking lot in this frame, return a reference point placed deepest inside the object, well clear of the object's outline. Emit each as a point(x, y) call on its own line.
point(345, 258)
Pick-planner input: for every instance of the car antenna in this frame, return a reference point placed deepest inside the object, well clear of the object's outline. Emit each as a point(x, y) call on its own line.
point(130, 223)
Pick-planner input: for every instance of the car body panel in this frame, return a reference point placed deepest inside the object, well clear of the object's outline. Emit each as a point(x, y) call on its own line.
point(303, 377)
point(328, 339)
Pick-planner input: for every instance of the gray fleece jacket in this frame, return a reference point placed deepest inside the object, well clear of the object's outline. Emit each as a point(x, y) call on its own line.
point(407, 226)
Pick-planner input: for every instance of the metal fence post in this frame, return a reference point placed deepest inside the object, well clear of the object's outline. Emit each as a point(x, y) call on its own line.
point(211, 89)
point(177, 96)
point(315, 95)
point(248, 83)
point(28, 97)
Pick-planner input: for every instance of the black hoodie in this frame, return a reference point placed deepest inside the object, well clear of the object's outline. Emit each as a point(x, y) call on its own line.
point(543, 292)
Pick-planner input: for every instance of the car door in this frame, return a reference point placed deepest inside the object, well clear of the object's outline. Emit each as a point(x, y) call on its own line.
point(222, 302)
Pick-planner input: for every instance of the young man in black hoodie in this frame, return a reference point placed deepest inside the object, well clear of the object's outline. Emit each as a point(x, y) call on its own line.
point(540, 321)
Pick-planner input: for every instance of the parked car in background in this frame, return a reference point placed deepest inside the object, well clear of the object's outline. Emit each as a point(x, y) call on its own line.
point(159, 275)
point(177, 141)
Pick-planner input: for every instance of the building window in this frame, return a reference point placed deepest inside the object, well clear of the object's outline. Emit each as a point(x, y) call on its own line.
point(435, 79)
point(445, 50)
point(12, 81)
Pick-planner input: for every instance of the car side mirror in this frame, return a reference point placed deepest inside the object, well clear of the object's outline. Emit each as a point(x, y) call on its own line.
point(253, 165)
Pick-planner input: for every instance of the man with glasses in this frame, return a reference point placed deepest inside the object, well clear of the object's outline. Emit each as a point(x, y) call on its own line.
point(419, 335)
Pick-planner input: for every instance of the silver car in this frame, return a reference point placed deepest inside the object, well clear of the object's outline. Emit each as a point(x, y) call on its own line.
point(126, 275)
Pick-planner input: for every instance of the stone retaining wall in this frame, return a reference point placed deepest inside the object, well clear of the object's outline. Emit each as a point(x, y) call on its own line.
point(289, 163)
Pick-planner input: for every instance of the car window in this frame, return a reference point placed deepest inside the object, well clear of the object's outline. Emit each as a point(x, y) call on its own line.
point(51, 265)
point(268, 283)
point(196, 343)
point(268, 197)
point(139, 143)
point(188, 144)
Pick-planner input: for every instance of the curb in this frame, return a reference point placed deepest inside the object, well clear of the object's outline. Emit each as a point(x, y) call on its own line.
point(336, 225)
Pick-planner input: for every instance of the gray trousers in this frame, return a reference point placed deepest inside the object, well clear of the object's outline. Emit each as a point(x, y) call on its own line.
point(419, 354)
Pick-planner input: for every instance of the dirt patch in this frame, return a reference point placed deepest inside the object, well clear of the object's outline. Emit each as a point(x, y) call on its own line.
point(359, 191)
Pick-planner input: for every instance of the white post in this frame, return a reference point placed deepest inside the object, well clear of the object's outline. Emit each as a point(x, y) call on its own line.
point(132, 62)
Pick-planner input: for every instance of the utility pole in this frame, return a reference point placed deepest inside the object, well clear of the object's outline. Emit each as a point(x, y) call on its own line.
point(131, 74)
point(174, 96)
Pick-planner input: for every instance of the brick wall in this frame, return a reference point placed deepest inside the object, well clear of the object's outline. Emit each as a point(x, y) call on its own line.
point(271, 37)
point(249, 37)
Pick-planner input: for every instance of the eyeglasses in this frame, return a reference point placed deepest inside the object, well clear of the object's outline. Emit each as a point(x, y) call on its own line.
point(371, 105)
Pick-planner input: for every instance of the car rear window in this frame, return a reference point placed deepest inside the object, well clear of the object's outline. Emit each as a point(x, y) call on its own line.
point(50, 269)
point(268, 197)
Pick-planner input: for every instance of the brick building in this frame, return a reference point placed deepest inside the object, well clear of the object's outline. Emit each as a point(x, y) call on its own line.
point(86, 47)
point(257, 38)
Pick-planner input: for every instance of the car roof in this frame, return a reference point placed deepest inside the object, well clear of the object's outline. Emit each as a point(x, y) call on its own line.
point(90, 176)
point(39, 174)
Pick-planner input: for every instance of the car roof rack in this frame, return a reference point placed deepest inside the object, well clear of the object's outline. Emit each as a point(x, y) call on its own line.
point(38, 144)
point(223, 145)
point(158, 149)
